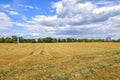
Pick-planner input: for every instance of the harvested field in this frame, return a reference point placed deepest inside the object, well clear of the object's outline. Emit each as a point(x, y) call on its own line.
point(60, 61)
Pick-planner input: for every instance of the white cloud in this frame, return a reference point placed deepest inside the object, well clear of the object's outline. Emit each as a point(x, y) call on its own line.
point(23, 34)
point(5, 21)
point(77, 18)
point(29, 6)
point(107, 2)
point(6, 6)
point(8, 9)
point(13, 12)
point(36, 34)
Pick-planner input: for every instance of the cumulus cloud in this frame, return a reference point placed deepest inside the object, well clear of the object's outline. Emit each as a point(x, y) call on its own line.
point(82, 18)
point(5, 21)
point(78, 13)
point(77, 17)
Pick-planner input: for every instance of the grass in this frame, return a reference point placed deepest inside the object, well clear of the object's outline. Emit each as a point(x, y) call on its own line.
point(61, 61)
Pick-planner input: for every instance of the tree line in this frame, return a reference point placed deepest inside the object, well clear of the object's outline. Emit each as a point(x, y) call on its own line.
point(15, 39)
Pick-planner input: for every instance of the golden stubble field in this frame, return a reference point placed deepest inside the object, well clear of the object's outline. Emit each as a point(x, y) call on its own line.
point(60, 61)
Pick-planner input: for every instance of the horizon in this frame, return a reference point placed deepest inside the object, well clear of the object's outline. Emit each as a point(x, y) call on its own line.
point(58, 37)
point(60, 18)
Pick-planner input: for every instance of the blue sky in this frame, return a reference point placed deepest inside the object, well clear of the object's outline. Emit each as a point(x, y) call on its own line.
point(60, 18)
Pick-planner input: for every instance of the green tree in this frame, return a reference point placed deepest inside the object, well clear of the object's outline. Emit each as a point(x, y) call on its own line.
point(31, 41)
point(8, 40)
point(39, 40)
point(71, 40)
point(21, 40)
point(47, 40)
point(14, 38)
point(54, 40)
point(2, 40)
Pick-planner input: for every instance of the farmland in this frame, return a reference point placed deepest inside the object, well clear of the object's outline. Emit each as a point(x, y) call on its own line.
point(60, 61)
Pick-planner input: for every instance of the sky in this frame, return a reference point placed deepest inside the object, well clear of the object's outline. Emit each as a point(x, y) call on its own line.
point(60, 18)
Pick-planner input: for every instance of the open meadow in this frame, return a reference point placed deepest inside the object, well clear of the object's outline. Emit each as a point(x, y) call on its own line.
point(60, 61)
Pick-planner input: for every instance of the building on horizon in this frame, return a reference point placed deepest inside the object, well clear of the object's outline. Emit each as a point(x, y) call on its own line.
point(108, 39)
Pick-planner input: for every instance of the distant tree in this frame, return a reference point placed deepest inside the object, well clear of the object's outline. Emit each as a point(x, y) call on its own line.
point(47, 40)
point(85, 40)
point(79, 40)
point(2, 40)
point(8, 40)
point(31, 41)
point(39, 40)
point(59, 40)
point(14, 38)
point(69, 40)
point(99, 40)
point(63, 40)
point(74, 40)
point(118, 40)
point(54, 40)
point(21, 40)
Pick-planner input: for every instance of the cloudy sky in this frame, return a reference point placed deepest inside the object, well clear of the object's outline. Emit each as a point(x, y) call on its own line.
point(60, 18)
